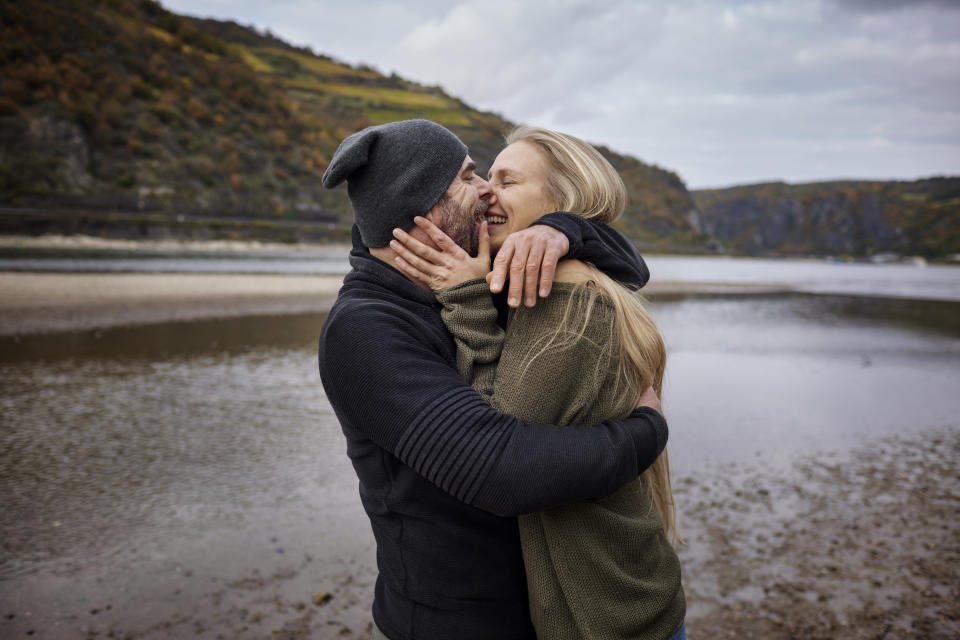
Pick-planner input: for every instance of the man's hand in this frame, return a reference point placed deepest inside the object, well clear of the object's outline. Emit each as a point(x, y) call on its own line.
point(526, 257)
point(649, 399)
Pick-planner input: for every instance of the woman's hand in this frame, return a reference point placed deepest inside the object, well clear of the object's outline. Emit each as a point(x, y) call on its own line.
point(649, 398)
point(440, 268)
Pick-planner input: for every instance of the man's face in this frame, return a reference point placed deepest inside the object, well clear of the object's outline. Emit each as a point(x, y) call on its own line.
point(459, 209)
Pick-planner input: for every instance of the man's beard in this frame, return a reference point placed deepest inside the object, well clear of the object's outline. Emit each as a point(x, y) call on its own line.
point(460, 225)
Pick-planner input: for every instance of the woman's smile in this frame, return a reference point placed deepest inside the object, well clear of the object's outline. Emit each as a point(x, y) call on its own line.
point(493, 218)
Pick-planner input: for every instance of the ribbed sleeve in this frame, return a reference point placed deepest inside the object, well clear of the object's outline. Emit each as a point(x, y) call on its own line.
point(452, 443)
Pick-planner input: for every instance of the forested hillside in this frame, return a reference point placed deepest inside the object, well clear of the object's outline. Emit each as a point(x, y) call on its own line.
point(121, 106)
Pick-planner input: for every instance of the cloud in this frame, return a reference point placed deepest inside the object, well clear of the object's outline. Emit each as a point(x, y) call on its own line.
point(525, 60)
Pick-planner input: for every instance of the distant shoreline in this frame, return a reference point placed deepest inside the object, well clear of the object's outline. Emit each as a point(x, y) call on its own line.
point(96, 243)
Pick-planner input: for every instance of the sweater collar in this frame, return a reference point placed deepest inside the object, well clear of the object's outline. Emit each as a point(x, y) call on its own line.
point(377, 272)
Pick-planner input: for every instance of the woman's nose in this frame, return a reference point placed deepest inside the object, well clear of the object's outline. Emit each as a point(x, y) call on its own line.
point(489, 197)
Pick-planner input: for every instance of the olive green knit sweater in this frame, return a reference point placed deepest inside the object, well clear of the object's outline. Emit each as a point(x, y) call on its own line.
point(599, 569)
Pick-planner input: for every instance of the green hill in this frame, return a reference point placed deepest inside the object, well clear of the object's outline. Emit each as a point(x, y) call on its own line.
point(119, 117)
point(856, 218)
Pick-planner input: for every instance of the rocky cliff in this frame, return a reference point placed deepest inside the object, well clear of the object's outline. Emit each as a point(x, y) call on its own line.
point(855, 218)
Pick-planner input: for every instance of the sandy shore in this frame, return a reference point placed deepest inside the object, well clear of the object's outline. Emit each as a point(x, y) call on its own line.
point(45, 302)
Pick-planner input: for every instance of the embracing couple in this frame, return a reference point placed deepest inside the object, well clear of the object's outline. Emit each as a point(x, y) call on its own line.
point(510, 449)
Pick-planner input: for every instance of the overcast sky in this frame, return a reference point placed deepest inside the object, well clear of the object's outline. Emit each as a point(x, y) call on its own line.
point(721, 91)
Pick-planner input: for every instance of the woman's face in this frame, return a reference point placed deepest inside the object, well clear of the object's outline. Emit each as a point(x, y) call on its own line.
point(518, 181)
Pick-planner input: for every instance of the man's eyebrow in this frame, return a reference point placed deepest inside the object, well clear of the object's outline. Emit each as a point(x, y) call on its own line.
point(470, 168)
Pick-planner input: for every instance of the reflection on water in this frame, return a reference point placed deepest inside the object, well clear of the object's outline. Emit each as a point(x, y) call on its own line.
point(818, 311)
point(220, 336)
point(779, 376)
point(129, 454)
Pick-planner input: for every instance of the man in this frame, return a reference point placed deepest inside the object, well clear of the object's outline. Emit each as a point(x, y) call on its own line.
point(442, 474)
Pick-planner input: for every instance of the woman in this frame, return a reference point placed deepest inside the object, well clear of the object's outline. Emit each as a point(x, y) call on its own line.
point(595, 569)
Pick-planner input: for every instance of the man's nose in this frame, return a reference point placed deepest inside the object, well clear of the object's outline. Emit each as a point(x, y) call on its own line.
point(483, 187)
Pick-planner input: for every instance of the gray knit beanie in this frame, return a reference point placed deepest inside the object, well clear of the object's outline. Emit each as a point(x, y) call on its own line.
point(395, 172)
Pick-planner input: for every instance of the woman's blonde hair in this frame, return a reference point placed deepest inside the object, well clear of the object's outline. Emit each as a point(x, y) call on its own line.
point(581, 181)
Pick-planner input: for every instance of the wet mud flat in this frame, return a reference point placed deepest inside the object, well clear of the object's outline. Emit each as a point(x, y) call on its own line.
point(861, 544)
point(858, 545)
